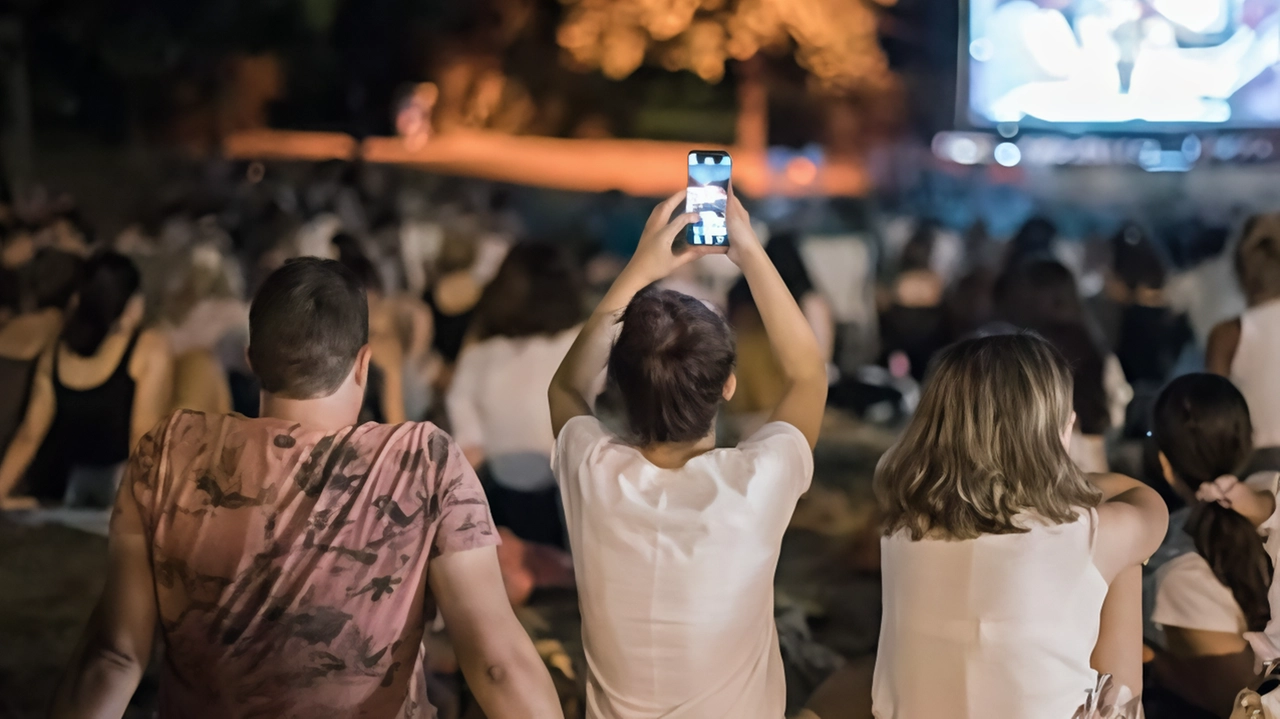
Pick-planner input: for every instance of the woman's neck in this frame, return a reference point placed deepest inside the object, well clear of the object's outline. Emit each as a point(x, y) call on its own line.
point(674, 455)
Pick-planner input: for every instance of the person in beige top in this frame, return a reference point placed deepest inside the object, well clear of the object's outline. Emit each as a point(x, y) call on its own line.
point(1011, 580)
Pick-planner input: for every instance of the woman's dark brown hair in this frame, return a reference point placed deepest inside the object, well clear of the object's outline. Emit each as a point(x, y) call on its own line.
point(670, 363)
point(537, 291)
point(985, 445)
point(1202, 427)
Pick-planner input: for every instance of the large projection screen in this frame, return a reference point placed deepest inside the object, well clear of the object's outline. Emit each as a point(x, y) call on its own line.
point(1120, 65)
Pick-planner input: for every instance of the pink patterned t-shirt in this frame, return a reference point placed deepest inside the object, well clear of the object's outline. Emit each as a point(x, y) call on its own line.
point(291, 565)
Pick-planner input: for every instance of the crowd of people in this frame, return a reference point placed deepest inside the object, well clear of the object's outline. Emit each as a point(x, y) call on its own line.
point(417, 421)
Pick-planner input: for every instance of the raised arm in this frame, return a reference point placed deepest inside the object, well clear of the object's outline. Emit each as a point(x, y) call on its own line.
point(497, 658)
point(794, 345)
point(116, 646)
point(660, 251)
point(26, 442)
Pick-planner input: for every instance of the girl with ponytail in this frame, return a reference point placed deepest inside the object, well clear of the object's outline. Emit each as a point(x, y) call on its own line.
point(1208, 599)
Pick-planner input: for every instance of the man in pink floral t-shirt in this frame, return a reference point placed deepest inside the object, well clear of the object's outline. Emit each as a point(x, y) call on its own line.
point(292, 562)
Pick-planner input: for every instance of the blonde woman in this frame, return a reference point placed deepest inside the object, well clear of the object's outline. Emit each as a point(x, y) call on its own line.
point(1245, 349)
point(999, 554)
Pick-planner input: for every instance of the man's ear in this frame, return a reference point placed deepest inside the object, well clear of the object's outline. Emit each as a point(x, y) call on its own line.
point(363, 358)
point(730, 387)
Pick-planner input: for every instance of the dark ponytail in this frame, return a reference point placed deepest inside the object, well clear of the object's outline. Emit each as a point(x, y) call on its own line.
point(1201, 424)
point(109, 281)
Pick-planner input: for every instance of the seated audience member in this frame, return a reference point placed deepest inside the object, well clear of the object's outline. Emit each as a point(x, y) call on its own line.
point(1208, 598)
point(294, 561)
point(1041, 295)
point(1011, 579)
point(204, 314)
point(452, 298)
point(101, 386)
point(41, 293)
point(1151, 334)
point(761, 382)
point(525, 321)
point(384, 396)
point(913, 321)
point(1245, 349)
point(674, 541)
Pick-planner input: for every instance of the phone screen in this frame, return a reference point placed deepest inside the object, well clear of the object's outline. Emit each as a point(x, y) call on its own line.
point(708, 195)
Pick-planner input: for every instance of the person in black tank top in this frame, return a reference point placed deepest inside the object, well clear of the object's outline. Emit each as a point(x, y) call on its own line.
point(80, 437)
point(41, 292)
point(90, 429)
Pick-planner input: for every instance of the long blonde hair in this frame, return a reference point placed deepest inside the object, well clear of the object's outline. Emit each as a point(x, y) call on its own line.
point(985, 444)
point(1258, 258)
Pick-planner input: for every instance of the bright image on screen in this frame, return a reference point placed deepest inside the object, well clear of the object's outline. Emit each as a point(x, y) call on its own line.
point(708, 196)
point(1045, 62)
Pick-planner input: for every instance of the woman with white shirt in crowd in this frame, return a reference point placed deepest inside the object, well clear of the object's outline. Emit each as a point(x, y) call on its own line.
point(1011, 579)
point(1246, 349)
point(525, 322)
point(1208, 598)
point(675, 541)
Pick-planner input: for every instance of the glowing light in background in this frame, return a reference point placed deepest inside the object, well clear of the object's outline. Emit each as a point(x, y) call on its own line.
point(1191, 148)
point(835, 40)
point(963, 150)
point(1008, 154)
point(802, 171)
point(982, 50)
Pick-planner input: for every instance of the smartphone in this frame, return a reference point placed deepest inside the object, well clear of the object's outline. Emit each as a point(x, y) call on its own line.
point(708, 195)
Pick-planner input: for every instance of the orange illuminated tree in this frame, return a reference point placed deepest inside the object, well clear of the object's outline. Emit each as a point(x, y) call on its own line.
point(835, 40)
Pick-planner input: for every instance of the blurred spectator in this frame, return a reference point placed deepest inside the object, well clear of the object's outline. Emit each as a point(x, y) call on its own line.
point(41, 293)
point(95, 393)
point(205, 311)
point(524, 324)
point(912, 319)
point(384, 393)
point(761, 382)
point(1246, 348)
point(1041, 295)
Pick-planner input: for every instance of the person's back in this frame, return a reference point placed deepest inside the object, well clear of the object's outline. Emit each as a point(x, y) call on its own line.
point(1003, 623)
point(42, 291)
point(96, 391)
point(999, 556)
point(293, 562)
point(675, 570)
point(1245, 349)
point(675, 542)
point(290, 563)
point(1253, 370)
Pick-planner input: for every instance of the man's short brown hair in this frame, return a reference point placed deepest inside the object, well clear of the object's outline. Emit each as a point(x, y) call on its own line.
point(307, 323)
point(670, 364)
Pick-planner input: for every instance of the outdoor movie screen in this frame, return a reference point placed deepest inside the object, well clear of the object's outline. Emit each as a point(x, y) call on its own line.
point(1097, 65)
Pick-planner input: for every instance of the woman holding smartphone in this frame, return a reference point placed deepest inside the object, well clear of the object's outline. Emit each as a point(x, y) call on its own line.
point(674, 541)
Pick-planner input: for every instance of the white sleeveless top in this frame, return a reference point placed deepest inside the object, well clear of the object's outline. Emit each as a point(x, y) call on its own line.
point(1256, 370)
point(999, 627)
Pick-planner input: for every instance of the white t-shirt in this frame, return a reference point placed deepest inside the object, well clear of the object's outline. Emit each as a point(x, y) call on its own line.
point(498, 402)
point(1189, 596)
point(675, 571)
